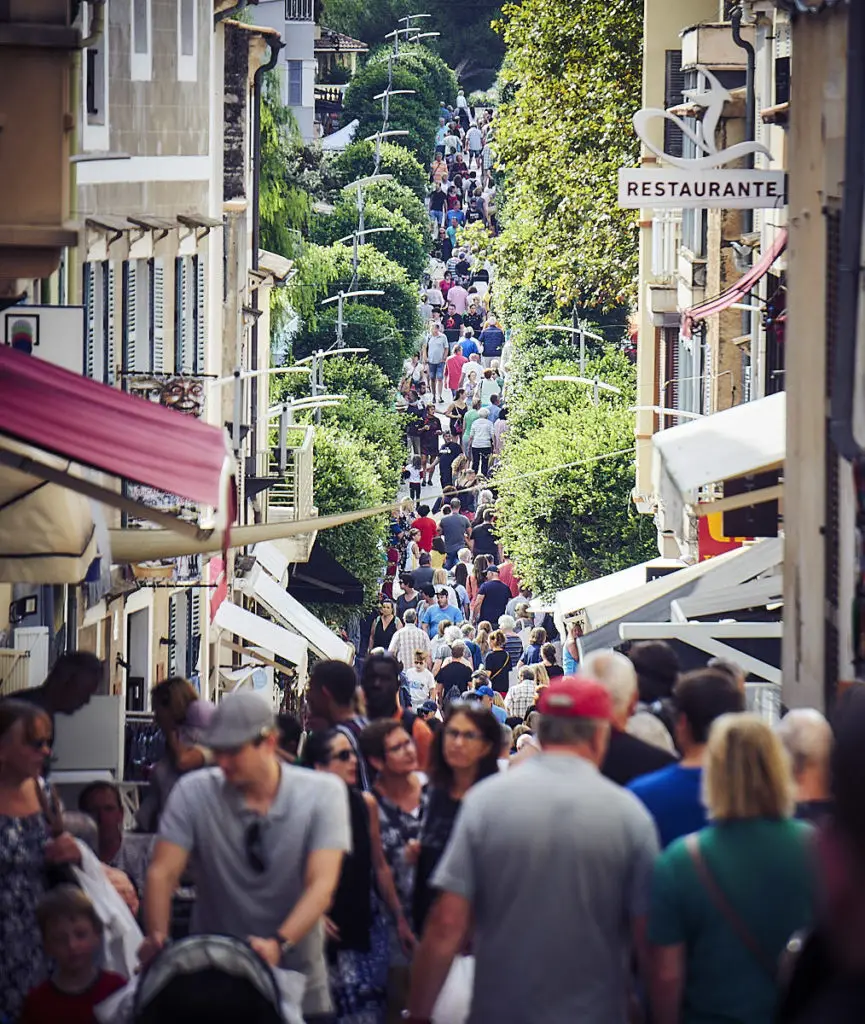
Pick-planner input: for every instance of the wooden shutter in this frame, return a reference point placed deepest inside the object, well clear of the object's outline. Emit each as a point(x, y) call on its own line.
point(157, 315)
point(90, 315)
point(199, 314)
point(172, 635)
point(110, 368)
point(178, 314)
point(674, 83)
point(130, 322)
point(193, 633)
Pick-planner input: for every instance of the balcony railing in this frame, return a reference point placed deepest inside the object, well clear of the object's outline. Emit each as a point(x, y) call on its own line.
point(299, 10)
point(292, 497)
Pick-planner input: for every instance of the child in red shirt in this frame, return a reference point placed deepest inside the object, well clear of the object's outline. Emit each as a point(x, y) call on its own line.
point(72, 937)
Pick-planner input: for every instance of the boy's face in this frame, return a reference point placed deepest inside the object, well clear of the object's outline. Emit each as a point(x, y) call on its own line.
point(72, 942)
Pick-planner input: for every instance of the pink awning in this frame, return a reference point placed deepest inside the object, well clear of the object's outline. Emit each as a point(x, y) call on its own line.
point(739, 290)
point(60, 412)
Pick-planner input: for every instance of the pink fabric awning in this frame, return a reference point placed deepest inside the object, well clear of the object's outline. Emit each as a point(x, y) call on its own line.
point(739, 290)
point(95, 425)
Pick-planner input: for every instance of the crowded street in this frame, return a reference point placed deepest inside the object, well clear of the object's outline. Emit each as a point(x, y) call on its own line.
point(408, 610)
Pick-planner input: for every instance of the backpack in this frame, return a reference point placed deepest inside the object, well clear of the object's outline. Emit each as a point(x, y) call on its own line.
point(454, 693)
point(407, 719)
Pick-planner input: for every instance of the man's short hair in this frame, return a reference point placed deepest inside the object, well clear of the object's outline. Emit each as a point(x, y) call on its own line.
point(567, 731)
point(374, 735)
point(455, 504)
point(424, 558)
point(489, 515)
point(409, 616)
point(423, 510)
point(428, 590)
point(97, 787)
point(64, 902)
point(704, 695)
point(458, 650)
point(338, 678)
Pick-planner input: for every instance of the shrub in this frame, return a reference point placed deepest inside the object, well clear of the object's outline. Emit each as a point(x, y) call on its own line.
point(358, 161)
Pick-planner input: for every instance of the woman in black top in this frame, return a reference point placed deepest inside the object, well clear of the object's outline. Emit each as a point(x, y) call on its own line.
point(456, 412)
point(497, 663)
point(356, 928)
point(385, 625)
point(464, 751)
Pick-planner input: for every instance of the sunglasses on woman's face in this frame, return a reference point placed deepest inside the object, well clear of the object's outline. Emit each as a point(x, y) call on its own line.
point(40, 743)
point(343, 755)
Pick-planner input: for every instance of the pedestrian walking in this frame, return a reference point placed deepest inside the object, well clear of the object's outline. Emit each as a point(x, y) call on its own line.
point(807, 738)
point(268, 841)
point(597, 845)
point(481, 442)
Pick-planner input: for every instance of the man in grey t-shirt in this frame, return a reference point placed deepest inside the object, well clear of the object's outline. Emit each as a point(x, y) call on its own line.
point(554, 853)
point(267, 842)
point(454, 528)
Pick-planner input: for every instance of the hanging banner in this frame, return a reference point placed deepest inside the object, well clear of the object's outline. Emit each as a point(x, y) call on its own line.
point(703, 180)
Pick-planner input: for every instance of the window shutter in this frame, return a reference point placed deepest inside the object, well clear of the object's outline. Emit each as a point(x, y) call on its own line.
point(157, 315)
point(130, 327)
point(179, 354)
point(110, 369)
point(90, 314)
point(199, 314)
point(707, 380)
point(193, 605)
point(172, 635)
point(674, 84)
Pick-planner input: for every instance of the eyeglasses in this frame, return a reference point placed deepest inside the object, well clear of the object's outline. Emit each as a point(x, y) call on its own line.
point(40, 744)
point(253, 842)
point(469, 735)
point(343, 755)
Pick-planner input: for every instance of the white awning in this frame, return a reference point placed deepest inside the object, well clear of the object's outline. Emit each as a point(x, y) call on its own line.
point(260, 633)
point(731, 568)
point(574, 600)
point(268, 555)
point(279, 603)
point(339, 140)
point(749, 438)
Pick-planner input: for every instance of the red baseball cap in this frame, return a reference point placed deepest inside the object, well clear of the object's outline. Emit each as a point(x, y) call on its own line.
point(576, 697)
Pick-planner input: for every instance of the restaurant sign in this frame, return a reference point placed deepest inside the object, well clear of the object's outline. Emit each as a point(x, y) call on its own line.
point(702, 180)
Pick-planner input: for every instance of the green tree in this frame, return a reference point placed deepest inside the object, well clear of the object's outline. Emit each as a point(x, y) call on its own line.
point(364, 327)
point(342, 374)
point(570, 83)
point(324, 270)
point(284, 208)
point(417, 114)
point(571, 524)
point(405, 244)
point(345, 479)
point(358, 161)
point(426, 65)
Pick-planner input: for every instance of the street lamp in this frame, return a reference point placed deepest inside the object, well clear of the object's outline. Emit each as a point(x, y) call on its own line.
point(285, 411)
point(383, 134)
point(339, 299)
point(661, 410)
point(576, 329)
point(355, 257)
point(593, 382)
point(360, 184)
point(316, 367)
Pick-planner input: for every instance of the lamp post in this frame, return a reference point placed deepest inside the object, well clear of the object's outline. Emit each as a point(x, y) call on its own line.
point(285, 411)
point(596, 383)
point(384, 134)
point(237, 378)
point(339, 299)
point(579, 329)
point(355, 259)
point(359, 185)
point(316, 368)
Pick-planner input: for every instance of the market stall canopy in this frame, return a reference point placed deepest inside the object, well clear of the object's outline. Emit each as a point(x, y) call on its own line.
point(144, 545)
point(261, 634)
point(339, 140)
point(323, 580)
point(747, 439)
point(742, 288)
point(52, 410)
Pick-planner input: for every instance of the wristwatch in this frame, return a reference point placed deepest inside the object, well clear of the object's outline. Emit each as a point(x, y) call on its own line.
point(285, 946)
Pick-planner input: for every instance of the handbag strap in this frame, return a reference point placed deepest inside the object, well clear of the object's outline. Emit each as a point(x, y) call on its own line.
point(726, 909)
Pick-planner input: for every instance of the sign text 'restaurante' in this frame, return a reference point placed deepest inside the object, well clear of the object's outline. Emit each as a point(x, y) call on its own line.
point(722, 189)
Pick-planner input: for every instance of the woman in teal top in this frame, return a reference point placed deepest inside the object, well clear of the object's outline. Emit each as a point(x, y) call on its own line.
point(719, 966)
point(571, 650)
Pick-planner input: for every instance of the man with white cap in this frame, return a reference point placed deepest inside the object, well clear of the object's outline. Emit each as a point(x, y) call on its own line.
point(267, 841)
point(574, 854)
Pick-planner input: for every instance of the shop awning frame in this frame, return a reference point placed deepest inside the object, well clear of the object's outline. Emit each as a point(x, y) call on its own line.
point(260, 633)
point(743, 287)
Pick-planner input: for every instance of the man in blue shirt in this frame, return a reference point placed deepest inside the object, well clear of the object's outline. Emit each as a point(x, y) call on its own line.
point(489, 696)
point(673, 795)
point(492, 341)
point(468, 345)
point(431, 617)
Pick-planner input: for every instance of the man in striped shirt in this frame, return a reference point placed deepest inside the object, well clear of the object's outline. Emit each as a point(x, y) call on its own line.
point(408, 640)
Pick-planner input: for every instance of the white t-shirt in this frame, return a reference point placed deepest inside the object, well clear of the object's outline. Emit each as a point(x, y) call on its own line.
point(414, 474)
point(421, 685)
point(481, 433)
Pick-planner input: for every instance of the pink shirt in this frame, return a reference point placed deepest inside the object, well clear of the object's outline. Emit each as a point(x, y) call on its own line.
point(459, 297)
point(454, 369)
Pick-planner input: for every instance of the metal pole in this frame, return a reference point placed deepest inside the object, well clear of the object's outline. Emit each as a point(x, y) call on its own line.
point(318, 380)
point(238, 412)
point(597, 393)
point(355, 263)
point(360, 218)
point(339, 306)
point(283, 438)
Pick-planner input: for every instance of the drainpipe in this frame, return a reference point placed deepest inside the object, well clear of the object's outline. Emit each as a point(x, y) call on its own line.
point(97, 23)
point(843, 382)
point(258, 78)
point(229, 11)
point(747, 216)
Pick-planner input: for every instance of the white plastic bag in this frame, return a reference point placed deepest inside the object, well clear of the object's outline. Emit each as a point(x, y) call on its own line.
point(455, 998)
point(121, 937)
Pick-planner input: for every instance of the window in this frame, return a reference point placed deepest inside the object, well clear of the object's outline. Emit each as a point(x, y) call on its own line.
point(99, 321)
point(674, 83)
point(184, 314)
point(782, 80)
point(187, 40)
point(94, 63)
point(141, 58)
point(295, 83)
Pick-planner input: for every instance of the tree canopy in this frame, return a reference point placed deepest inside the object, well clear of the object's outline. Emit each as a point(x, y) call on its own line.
point(358, 161)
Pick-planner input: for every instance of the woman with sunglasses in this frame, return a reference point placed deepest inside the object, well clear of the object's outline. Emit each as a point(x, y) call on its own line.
point(356, 927)
point(27, 823)
point(464, 751)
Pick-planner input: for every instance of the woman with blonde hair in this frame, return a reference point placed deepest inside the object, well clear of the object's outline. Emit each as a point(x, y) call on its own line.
point(542, 678)
point(440, 582)
point(726, 900)
point(482, 637)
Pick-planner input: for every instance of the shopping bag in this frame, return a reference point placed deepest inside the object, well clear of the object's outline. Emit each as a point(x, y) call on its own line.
point(455, 998)
point(121, 936)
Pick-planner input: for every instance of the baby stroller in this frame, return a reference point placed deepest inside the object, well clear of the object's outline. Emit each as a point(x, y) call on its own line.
point(208, 979)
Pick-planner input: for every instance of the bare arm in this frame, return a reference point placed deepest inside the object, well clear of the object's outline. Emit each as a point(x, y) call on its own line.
point(322, 875)
point(666, 982)
point(445, 933)
point(383, 874)
point(166, 868)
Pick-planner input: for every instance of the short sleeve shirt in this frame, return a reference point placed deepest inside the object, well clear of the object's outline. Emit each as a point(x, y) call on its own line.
point(597, 845)
point(496, 596)
point(454, 528)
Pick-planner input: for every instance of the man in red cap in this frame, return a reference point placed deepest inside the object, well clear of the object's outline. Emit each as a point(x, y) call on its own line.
point(555, 853)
